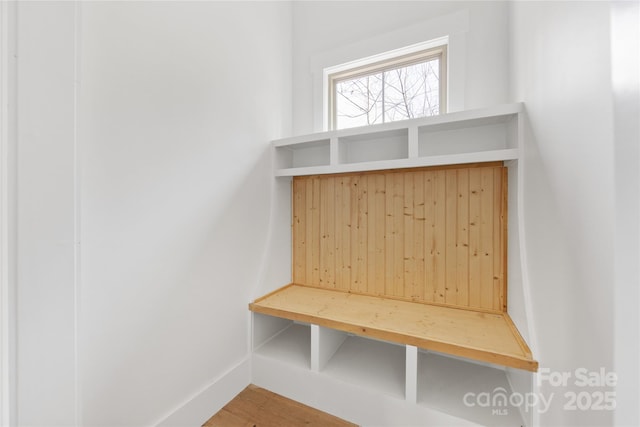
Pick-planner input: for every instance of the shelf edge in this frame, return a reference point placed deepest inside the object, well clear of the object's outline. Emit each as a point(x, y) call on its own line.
point(447, 159)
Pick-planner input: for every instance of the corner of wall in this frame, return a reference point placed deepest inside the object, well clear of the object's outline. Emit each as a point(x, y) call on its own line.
point(7, 212)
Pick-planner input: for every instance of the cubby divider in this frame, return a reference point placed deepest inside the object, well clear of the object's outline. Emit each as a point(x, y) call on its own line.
point(411, 381)
point(324, 343)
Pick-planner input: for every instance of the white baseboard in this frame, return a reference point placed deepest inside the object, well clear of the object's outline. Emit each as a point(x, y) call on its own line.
point(197, 409)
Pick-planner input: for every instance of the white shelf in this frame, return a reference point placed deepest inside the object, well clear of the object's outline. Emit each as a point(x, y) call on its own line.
point(488, 134)
point(450, 159)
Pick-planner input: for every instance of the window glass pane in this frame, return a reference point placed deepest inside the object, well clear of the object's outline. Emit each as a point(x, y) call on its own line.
point(412, 91)
point(358, 101)
point(388, 94)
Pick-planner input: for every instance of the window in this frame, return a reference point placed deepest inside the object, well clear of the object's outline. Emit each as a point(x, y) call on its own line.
point(404, 87)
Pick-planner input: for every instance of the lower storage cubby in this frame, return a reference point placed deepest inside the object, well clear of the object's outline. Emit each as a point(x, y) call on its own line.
point(292, 346)
point(376, 365)
point(476, 392)
point(340, 372)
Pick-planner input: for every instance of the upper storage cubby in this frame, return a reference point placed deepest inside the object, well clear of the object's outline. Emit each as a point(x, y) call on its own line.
point(373, 147)
point(303, 154)
point(483, 135)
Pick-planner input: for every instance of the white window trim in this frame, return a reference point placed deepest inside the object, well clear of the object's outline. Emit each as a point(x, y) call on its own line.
point(455, 26)
point(386, 56)
point(396, 58)
point(375, 59)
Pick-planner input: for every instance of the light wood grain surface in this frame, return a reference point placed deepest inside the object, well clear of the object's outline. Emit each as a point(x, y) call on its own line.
point(430, 235)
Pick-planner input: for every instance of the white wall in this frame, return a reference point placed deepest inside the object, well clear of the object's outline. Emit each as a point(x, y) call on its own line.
point(46, 256)
point(157, 162)
point(625, 66)
point(8, 128)
point(331, 33)
point(176, 118)
point(561, 69)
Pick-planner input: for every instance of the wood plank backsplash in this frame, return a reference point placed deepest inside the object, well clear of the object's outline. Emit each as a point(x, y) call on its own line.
point(434, 235)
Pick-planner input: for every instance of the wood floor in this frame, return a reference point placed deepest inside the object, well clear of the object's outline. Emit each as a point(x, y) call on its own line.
point(257, 407)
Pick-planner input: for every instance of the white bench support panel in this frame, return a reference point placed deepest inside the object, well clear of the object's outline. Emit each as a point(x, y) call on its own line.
point(411, 384)
point(324, 344)
point(334, 153)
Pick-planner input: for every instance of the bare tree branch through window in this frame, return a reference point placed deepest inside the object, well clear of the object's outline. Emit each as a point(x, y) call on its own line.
point(406, 92)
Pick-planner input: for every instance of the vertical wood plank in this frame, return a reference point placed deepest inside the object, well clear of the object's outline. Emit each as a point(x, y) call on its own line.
point(417, 292)
point(486, 239)
point(451, 216)
point(389, 246)
point(359, 188)
point(398, 234)
point(505, 238)
point(372, 232)
point(338, 224)
point(333, 239)
point(325, 205)
point(345, 239)
point(474, 237)
point(462, 238)
point(429, 235)
point(440, 213)
point(308, 190)
point(299, 229)
point(409, 220)
point(380, 264)
point(499, 238)
point(315, 230)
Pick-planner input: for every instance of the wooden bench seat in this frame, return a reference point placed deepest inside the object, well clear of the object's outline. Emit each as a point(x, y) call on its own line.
point(480, 335)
